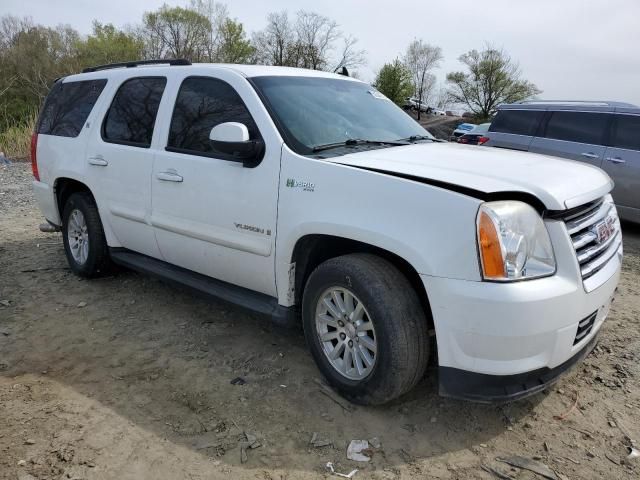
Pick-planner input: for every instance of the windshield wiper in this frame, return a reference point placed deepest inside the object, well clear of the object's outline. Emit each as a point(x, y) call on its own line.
point(415, 138)
point(351, 142)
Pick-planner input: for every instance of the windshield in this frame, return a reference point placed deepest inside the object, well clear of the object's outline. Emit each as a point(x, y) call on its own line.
point(312, 112)
point(482, 128)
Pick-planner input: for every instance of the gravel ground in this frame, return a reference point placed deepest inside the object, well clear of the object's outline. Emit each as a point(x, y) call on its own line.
point(127, 378)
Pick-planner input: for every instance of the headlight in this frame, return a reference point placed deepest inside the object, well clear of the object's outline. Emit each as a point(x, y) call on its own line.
point(513, 242)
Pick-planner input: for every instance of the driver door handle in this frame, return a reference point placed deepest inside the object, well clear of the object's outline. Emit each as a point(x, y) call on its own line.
point(615, 160)
point(98, 160)
point(590, 155)
point(169, 175)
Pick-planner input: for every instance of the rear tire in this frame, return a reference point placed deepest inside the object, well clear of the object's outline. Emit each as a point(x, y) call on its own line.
point(360, 305)
point(83, 236)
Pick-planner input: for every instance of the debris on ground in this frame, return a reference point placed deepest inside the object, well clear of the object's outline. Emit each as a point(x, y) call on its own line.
point(633, 453)
point(375, 443)
point(328, 392)
point(495, 472)
point(5, 303)
point(317, 441)
point(238, 381)
point(343, 475)
point(528, 464)
point(357, 449)
point(82, 304)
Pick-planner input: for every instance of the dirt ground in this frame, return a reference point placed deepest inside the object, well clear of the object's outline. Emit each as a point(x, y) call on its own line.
point(127, 378)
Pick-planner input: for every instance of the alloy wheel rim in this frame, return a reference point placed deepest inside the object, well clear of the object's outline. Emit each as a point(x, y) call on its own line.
point(346, 333)
point(78, 237)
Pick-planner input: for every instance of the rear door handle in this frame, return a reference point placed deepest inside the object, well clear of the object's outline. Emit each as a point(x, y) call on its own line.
point(169, 175)
point(615, 160)
point(98, 160)
point(590, 155)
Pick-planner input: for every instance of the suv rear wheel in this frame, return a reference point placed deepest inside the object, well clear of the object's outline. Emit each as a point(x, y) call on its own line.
point(83, 237)
point(365, 327)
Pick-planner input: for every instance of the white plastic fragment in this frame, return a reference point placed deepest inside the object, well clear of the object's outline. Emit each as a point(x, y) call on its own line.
point(343, 475)
point(355, 448)
point(633, 453)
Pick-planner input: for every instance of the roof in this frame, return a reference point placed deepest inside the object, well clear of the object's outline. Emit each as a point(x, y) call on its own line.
point(573, 105)
point(244, 70)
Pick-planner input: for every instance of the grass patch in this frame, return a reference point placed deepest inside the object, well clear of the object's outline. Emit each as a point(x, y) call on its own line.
point(15, 141)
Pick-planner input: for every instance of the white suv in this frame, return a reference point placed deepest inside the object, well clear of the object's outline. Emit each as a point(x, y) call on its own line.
point(312, 198)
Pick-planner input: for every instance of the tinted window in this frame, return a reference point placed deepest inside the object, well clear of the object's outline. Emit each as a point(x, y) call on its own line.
point(67, 107)
point(627, 132)
point(132, 114)
point(518, 122)
point(202, 104)
point(577, 127)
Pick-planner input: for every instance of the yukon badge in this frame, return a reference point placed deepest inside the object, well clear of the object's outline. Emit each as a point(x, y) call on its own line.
point(305, 186)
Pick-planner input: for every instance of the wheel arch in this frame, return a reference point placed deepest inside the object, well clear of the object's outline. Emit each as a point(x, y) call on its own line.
point(313, 249)
point(64, 187)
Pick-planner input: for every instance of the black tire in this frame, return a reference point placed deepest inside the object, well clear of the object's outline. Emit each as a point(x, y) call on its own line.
point(98, 261)
point(399, 320)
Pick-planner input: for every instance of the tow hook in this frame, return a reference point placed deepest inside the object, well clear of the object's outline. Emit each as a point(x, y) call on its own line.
point(49, 228)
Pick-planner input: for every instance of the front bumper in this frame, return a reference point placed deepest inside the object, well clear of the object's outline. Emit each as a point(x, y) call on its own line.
point(483, 388)
point(502, 341)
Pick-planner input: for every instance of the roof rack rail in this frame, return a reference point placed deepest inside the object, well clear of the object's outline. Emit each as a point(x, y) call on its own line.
point(593, 103)
point(170, 61)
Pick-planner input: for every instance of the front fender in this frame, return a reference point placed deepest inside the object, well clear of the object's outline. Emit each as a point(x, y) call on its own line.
point(432, 228)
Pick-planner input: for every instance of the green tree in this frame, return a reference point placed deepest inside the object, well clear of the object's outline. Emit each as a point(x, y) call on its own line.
point(394, 81)
point(108, 44)
point(234, 47)
point(176, 32)
point(492, 78)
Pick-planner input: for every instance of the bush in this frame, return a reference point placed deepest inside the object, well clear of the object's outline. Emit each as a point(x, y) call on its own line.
point(15, 141)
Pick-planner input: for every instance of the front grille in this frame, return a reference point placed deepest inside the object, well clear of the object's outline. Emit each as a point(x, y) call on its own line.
point(585, 326)
point(595, 233)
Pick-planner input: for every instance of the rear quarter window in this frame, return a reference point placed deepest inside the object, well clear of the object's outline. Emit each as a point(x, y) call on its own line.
point(626, 133)
point(517, 122)
point(67, 107)
point(580, 127)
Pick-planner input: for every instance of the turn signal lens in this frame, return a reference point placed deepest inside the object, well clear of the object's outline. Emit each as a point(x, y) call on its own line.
point(490, 250)
point(513, 242)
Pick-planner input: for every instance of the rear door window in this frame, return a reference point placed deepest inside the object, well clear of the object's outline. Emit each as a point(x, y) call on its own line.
point(581, 127)
point(517, 122)
point(203, 103)
point(626, 133)
point(132, 114)
point(67, 107)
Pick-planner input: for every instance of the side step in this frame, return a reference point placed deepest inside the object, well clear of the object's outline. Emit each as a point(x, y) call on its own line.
point(257, 302)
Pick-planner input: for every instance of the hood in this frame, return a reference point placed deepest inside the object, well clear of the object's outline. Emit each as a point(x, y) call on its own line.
point(557, 183)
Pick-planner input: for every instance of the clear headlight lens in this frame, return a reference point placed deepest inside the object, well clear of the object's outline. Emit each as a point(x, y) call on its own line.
point(513, 242)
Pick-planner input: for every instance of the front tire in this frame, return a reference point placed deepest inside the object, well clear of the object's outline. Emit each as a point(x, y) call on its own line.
point(365, 327)
point(83, 236)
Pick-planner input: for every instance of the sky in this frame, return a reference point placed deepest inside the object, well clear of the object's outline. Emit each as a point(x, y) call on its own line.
point(571, 49)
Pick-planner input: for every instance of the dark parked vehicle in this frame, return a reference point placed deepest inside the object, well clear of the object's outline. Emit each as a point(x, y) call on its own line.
point(477, 136)
point(603, 134)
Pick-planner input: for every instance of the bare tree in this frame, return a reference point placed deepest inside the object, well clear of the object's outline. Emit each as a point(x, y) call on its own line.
point(421, 58)
point(350, 55)
point(273, 44)
point(217, 14)
point(315, 37)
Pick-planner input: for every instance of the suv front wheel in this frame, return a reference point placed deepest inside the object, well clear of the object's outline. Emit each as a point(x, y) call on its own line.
point(84, 243)
point(365, 327)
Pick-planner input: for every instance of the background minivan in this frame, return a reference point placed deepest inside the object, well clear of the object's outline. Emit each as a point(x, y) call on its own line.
point(604, 134)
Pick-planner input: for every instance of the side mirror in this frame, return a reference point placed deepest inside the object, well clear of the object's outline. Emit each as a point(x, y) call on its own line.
point(232, 138)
